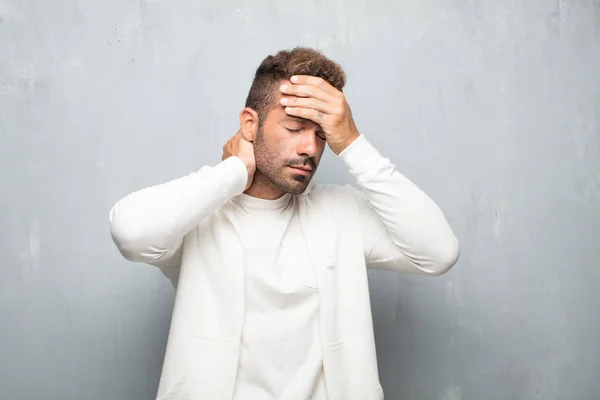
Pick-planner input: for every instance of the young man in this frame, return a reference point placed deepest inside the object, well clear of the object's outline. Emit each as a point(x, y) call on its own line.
point(272, 297)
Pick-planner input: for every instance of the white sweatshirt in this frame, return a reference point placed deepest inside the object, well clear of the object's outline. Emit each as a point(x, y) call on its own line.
point(280, 354)
point(185, 227)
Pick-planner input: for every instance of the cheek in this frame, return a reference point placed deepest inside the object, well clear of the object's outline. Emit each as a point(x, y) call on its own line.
point(319, 155)
point(267, 154)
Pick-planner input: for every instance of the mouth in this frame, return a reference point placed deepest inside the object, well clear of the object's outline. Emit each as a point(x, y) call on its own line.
point(302, 170)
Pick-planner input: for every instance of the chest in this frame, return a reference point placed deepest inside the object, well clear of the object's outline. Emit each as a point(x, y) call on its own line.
point(276, 257)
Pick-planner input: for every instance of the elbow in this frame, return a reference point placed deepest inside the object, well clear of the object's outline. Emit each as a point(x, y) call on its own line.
point(127, 246)
point(446, 256)
point(125, 236)
point(133, 241)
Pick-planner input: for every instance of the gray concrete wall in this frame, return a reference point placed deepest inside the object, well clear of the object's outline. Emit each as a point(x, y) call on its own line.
point(491, 107)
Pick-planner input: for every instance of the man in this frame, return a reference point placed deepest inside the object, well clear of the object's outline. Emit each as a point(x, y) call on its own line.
point(272, 297)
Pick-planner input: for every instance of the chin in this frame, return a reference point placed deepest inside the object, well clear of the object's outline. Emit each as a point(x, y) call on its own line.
point(295, 186)
point(289, 182)
point(297, 191)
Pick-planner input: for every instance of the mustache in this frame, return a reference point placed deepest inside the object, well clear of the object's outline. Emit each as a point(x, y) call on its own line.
point(303, 162)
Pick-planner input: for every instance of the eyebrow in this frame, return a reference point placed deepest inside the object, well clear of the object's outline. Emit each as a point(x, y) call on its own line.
point(296, 119)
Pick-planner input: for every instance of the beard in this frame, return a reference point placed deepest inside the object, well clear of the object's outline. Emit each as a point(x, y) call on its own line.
point(270, 164)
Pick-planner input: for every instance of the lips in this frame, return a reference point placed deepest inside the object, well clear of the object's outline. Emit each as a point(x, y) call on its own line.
point(302, 170)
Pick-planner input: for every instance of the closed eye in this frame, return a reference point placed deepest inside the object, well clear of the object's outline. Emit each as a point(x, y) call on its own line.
point(320, 135)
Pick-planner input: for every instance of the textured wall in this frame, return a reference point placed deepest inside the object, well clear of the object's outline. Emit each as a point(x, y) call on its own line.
point(491, 107)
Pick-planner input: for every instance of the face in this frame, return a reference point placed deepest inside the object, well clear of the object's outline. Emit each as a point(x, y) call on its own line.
point(288, 149)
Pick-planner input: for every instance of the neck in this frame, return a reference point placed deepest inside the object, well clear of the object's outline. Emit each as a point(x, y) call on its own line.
point(263, 188)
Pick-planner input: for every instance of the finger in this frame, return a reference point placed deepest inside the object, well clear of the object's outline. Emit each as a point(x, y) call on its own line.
point(306, 91)
point(307, 113)
point(314, 81)
point(308, 102)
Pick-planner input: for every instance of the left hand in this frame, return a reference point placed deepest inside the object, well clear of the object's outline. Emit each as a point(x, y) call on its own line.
point(315, 99)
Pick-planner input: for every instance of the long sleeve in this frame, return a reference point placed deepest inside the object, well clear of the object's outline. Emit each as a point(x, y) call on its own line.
point(149, 225)
point(403, 229)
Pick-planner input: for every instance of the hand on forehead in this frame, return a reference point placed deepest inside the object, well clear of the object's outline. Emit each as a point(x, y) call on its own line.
point(308, 86)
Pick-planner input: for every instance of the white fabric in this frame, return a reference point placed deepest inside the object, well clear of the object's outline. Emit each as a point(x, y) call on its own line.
point(280, 354)
point(184, 228)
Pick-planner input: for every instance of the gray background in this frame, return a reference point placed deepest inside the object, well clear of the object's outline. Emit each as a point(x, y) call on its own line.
point(493, 108)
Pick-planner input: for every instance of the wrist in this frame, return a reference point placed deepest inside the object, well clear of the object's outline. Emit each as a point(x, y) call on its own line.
point(338, 149)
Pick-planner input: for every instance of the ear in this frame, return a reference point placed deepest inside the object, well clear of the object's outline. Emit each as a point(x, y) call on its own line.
point(249, 124)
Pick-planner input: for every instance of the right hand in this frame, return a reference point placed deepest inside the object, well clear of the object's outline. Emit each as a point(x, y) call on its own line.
point(239, 147)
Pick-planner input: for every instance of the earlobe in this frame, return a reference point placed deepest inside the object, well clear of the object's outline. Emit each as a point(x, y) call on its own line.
point(249, 124)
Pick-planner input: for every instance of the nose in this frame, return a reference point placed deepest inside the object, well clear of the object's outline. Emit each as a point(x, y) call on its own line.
point(308, 143)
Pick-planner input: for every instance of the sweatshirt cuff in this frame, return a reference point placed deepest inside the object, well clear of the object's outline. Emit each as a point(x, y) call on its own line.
point(360, 157)
point(235, 176)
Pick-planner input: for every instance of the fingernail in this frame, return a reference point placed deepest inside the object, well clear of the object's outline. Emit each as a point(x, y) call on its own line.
point(284, 100)
point(283, 87)
point(294, 78)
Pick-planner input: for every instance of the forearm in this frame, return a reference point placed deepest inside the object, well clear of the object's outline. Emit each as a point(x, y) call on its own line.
point(415, 224)
point(150, 223)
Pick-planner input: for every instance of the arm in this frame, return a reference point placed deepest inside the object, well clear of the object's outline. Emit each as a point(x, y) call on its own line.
point(403, 229)
point(149, 225)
